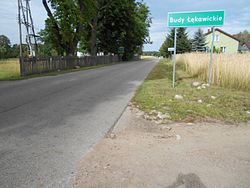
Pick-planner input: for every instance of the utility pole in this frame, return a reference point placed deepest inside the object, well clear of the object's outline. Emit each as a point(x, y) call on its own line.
point(20, 29)
point(25, 18)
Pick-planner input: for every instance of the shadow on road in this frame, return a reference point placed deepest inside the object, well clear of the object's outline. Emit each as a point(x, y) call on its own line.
point(188, 180)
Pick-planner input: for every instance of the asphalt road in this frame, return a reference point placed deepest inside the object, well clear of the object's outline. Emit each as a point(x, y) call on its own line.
point(48, 124)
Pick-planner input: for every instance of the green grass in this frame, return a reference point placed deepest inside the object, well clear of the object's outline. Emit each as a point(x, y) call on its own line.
point(157, 93)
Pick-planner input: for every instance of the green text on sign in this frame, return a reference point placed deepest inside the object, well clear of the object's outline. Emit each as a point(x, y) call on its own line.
point(196, 19)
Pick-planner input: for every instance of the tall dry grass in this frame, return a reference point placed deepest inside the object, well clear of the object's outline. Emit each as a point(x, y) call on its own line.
point(9, 69)
point(229, 70)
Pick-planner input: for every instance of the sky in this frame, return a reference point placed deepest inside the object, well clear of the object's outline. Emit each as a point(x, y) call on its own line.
point(237, 16)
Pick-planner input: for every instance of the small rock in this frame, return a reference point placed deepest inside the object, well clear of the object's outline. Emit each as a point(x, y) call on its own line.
point(178, 137)
point(200, 101)
point(166, 127)
point(58, 70)
point(146, 116)
point(248, 112)
point(139, 114)
point(178, 97)
point(209, 105)
point(153, 112)
point(112, 136)
point(155, 118)
point(203, 87)
point(77, 67)
point(199, 87)
point(213, 97)
point(164, 116)
point(158, 122)
point(196, 84)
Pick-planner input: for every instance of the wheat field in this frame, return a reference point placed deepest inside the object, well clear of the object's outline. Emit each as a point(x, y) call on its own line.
point(229, 70)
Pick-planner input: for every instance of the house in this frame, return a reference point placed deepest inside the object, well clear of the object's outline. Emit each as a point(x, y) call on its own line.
point(245, 47)
point(223, 42)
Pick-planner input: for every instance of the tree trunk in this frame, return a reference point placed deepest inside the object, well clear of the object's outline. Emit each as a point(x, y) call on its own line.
point(93, 38)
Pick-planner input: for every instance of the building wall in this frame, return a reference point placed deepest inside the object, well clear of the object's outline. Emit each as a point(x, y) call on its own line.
point(231, 44)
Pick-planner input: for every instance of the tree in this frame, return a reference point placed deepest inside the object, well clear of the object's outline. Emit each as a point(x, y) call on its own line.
point(65, 24)
point(183, 44)
point(168, 43)
point(243, 36)
point(5, 47)
point(45, 46)
point(95, 26)
point(199, 41)
point(123, 23)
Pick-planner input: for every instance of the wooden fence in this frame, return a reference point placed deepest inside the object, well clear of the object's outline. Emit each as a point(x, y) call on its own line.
point(31, 66)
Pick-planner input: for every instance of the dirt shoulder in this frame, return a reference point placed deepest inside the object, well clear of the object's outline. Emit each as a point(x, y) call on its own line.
point(140, 153)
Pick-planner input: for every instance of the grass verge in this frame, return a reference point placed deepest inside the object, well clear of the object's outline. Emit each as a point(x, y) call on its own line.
point(157, 93)
point(9, 69)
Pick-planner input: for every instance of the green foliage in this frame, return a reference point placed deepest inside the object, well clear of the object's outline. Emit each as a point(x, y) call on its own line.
point(168, 43)
point(11, 51)
point(182, 45)
point(96, 26)
point(65, 25)
point(243, 36)
point(123, 23)
point(199, 41)
point(46, 47)
point(151, 53)
point(5, 48)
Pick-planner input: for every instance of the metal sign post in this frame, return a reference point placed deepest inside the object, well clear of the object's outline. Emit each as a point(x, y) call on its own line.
point(210, 71)
point(174, 62)
point(195, 19)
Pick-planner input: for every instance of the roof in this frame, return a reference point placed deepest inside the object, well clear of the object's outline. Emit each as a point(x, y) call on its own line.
point(247, 44)
point(216, 29)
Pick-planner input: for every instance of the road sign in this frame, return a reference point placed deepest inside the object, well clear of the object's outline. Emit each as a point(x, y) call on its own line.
point(121, 50)
point(196, 19)
point(171, 49)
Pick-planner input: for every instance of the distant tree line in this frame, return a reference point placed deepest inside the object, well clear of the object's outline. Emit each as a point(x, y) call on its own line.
point(151, 53)
point(7, 50)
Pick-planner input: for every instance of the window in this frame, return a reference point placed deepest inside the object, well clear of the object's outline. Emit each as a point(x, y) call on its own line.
point(223, 49)
point(207, 49)
point(216, 38)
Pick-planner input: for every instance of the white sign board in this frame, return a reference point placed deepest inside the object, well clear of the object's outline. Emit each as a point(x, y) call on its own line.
point(170, 49)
